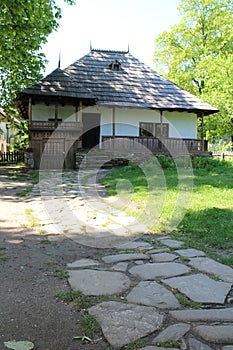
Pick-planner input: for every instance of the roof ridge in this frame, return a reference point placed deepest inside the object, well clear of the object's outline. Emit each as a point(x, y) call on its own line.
point(110, 51)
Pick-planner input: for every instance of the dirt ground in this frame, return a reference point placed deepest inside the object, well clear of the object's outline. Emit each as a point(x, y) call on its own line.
point(28, 307)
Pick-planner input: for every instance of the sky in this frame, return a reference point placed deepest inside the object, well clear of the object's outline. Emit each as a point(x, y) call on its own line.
point(109, 25)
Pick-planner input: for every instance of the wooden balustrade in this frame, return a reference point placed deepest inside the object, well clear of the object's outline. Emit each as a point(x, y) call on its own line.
point(52, 125)
point(168, 145)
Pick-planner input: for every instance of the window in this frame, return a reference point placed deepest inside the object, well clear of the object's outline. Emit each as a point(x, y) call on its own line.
point(154, 129)
point(162, 133)
point(115, 65)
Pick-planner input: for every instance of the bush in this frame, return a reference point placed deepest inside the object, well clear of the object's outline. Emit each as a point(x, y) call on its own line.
point(210, 163)
point(166, 161)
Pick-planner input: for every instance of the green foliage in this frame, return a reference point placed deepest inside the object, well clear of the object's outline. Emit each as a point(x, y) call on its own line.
point(197, 54)
point(25, 26)
point(20, 141)
point(221, 146)
point(211, 164)
point(166, 162)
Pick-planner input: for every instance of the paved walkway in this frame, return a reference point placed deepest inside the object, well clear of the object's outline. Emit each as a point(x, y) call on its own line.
point(158, 291)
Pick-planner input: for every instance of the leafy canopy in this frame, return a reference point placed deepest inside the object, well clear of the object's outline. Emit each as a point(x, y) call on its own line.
point(25, 26)
point(197, 54)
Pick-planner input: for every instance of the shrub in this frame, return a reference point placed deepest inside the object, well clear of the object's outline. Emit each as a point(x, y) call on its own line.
point(210, 163)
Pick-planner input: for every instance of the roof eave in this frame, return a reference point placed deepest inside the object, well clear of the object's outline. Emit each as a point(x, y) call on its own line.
point(198, 111)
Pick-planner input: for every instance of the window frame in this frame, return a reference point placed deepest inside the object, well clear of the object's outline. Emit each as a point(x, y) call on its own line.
point(152, 129)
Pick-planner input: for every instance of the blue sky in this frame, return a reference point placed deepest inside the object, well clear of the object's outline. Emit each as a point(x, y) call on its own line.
point(109, 24)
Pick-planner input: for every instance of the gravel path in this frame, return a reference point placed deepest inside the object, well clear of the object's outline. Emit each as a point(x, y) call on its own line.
point(28, 309)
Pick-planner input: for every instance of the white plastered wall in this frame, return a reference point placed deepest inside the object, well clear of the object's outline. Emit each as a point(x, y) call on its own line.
point(42, 112)
point(181, 124)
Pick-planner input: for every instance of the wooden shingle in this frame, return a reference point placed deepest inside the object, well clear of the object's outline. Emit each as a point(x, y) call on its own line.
point(133, 85)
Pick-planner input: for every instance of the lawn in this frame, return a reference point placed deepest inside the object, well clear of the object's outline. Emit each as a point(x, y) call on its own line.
point(191, 201)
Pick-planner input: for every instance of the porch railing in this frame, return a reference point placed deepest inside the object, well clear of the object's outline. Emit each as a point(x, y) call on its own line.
point(52, 125)
point(154, 144)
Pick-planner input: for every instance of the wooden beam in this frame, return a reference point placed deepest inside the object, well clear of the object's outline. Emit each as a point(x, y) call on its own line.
point(161, 123)
point(80, 111)
point(80, 120)
point(56, 112)
point(76, 114)
point(114, 122)
point(30, 109)
point(202, 131)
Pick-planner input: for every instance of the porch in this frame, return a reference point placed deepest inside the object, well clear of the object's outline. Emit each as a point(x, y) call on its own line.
point(155, 145)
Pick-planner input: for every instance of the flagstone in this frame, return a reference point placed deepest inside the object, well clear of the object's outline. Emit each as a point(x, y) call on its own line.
point(121, 266)
point(195, 344)
point(95, 282)
point(158, 250)
point(171, 243)
point(163, 257)
point(211, 266)
point(151, 293)
point(189, 253)
point(152, 270)
point(109, 259)
point(157, 348)
point(219, 334)
point(123, 323)
point(172, 333)
point(200, 288)
point(82, 263)
point(135, 245)
point(205, 315)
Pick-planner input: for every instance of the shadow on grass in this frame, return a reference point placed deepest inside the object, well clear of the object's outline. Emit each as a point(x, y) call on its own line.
point(212, 226)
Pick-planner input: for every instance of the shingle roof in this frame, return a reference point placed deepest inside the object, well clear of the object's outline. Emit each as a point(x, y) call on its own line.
point(59, 84)
point(134, 85)
point(131, 84)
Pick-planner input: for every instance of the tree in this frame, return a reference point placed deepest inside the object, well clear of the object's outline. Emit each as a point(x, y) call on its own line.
point(197, 54)
point(25, 26)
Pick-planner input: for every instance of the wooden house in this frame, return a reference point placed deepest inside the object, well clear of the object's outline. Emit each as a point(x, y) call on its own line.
point(107, 96)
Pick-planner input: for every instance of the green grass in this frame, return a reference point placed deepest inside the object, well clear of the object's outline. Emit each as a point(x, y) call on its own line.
point(168, 344)
point(80, 300)
point(2, 257)
point(62, 274)
point(206, 193)
point(187, 303)
point(88, 325)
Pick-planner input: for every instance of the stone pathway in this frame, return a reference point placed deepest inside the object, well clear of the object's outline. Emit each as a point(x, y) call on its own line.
point(74, 204)
point(148, 303)
point(163, 293)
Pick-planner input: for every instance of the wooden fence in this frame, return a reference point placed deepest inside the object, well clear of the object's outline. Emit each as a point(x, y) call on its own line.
point(228, 155)
point(11, 157)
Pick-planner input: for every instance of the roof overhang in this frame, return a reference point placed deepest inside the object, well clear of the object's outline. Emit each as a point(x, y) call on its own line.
point(22, 101)
point(198, 112)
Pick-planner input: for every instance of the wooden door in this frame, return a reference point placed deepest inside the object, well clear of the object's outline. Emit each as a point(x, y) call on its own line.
point(91, 130)
point(53, 154)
